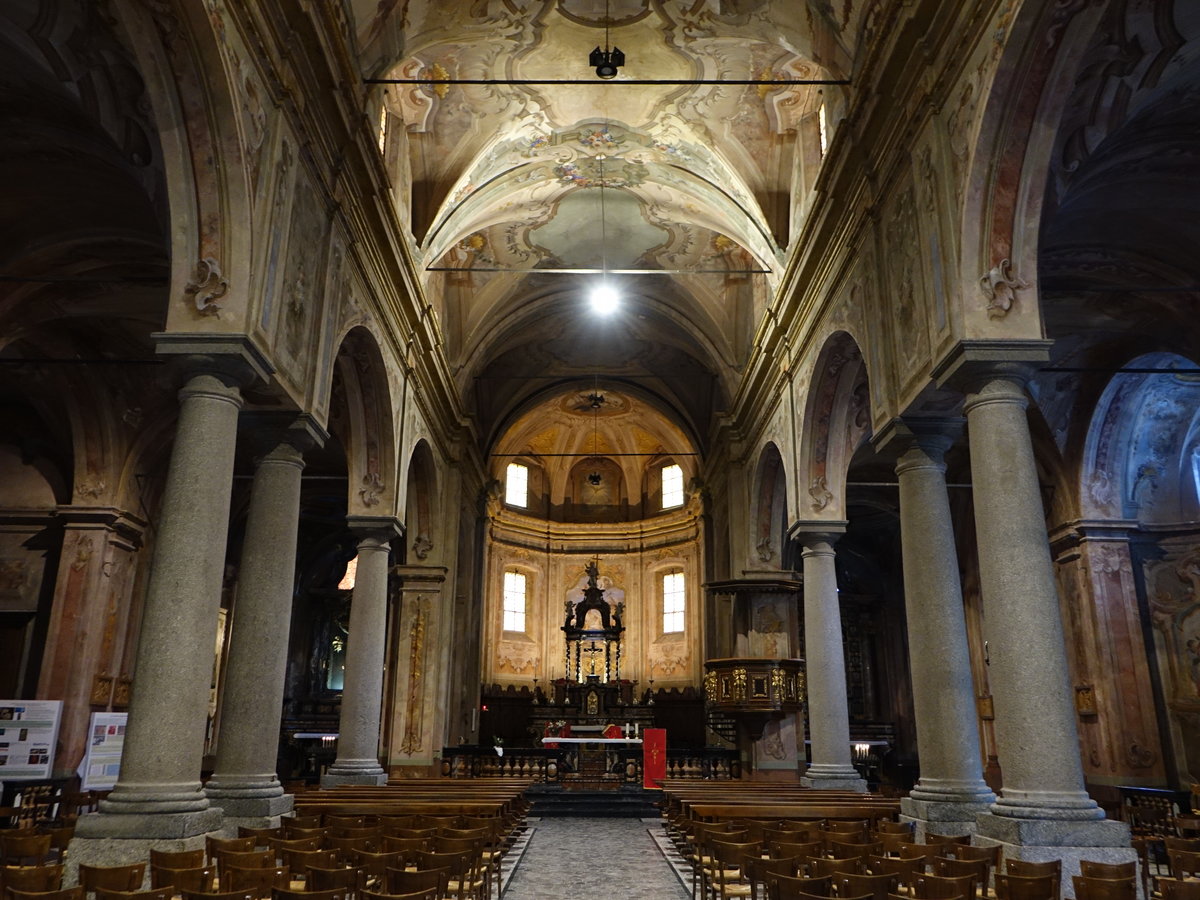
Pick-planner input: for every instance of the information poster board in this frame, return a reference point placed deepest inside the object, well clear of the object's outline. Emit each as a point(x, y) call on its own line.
point(102, 761)
point(28, 734)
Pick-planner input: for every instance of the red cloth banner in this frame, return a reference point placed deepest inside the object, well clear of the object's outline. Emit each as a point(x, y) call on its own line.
point(654, 758)
point(613, 731)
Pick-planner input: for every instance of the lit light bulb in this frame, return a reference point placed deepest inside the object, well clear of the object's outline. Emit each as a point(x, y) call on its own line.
point(604, 299)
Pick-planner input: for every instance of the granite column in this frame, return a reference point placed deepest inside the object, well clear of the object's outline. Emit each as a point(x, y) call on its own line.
point(828, 711)
point(362, 694)
point(951, 791)
point(244, 783)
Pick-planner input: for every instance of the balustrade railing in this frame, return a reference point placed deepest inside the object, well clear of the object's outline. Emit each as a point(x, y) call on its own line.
point(551, 765)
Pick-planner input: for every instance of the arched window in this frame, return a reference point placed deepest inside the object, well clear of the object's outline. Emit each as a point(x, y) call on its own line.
point(516, 485)
point(674, 603)
point(672, 486)
point(514, 601)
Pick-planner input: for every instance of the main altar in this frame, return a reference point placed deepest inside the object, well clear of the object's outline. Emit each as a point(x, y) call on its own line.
point(594, 713)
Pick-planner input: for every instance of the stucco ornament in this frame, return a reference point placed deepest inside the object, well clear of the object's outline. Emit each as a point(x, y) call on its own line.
point(207, 287)
point(1000, 288)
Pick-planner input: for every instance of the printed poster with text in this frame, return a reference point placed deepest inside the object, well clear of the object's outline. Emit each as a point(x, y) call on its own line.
point(28, 732)
point(102, 762)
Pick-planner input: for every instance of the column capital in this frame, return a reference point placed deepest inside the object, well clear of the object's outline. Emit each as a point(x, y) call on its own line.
point(918, 440)
point(810, 532)
point(379, 529)
point(233, 358)
point(973, 363)
point(268, 431)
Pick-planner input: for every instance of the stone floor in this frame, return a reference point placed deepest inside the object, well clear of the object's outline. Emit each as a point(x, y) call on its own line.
point(613, 859)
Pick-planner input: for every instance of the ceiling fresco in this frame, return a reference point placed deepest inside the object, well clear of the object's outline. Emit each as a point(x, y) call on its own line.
point(512, 183)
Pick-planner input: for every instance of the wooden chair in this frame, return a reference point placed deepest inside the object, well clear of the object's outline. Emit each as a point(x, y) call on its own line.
point(1090, 869)
point(279, 845)
point(220, 895)
point(848, 826)
point(260, 835)
point(875, 886)
point(1026, 887)
point(299, 860)
point(71, 893)
point(730, 872)
point(363, 821)
point(32, 879)
point(256, 882)
point(979, 869)
point(939, 887)
point(1173, 889)
point(788, 887)
point(1088, 888)
point(60, 839)
point(924, 852)
point(779, 849)
point(894, 828)
point(392, 844)
point(401, 881)
point(234, 845)
point(761, 871)
point(905, 870)
point(152, 894)
point(374, 866)
point(111, 878)
point(937, 839)
point(1183, 864)
point(24, 849)
point(838, 850)
point(1026, 869)
point(177, 859)
point(429, 894)
point(200, 879)
point(249, 859)
point(349, 881)
point(290, 823)
point(464, 881)
point(820, 868)
point(1192, 845)
point(289, 894)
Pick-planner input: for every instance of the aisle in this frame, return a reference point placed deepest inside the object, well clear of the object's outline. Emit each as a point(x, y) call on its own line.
point(610, 858)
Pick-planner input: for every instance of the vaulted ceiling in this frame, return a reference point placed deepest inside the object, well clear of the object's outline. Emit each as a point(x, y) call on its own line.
point(690, 186)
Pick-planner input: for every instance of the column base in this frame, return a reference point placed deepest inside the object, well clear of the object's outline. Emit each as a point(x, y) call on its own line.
point(945, 817)
point(335, 779)
point(148, 825)
point(117, 851)
point(833, 778)
point(1041, 841)
point(255, 807)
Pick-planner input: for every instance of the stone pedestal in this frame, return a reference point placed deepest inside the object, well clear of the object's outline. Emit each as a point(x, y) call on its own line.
point(362, 694)
point(244, 783)
point(828, 712)
point(951, 790)
point(158, 795)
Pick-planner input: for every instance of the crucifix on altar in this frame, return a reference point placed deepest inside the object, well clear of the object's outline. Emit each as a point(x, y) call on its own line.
point(592, 631)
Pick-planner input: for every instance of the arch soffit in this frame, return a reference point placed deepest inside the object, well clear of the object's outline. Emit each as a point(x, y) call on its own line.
point(771, 490)
point(1140, 436)
point(184, 57)
point(836, 421)
point(366, 425)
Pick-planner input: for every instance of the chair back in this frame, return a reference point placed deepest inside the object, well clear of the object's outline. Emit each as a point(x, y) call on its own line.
point(956, 868)
point(819, 868)
point(1026, 887)
point(1184, 864)
point(838, 850)
point(1192, 845)
point(402, 881)
point(71, 893)
point(200, 879)
point(393, 844)
point(941, 887)
point(924, 852)
point(32, 878)
point(152, 894)
point(906, 870)
point(292, 822)
point(1090, 869)
point(213, 845)
point(260, 835)
point(931, 838)
point(1027, 869)
point(787, 848)
point(177, 859)
point(321, 879)
point(220, 895)
point(289, 894)
point(429, 894)
point(1179, 890)
point(1088, 888)
point(875, 886)
point(247, 859)
point(299, 860)
point(257, 882)
point(848, 826)
point(111, 878)
point(885, 827)
point(29, 848)
point(790, 887)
